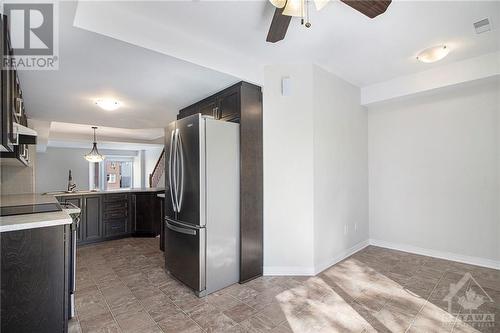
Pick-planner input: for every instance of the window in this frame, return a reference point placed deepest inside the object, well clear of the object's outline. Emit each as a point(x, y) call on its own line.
point(113, 173)
point(118, 174)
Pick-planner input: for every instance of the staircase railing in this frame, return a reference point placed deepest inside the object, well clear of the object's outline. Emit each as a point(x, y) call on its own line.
point(159, 169)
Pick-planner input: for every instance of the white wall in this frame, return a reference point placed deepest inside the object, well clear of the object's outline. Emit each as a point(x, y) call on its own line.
point(52, 167)
point(315, 170)
point(15, 179)
point(434, 173)
point(288, 171)
point(340, 169)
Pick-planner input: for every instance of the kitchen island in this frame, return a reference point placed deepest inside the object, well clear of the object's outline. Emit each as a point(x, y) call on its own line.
point(35, 254)
point(30, 221)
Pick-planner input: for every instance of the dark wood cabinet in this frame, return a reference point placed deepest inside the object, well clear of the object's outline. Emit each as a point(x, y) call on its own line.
point(107, 216)
point(229, 105)
point(13, 146)
point(90, 227)
point(92, 216)
point(242, 103)
point(34, 284)
point(224, 105)
point(116, 215)
point(6, 120)
point(147, 214)
point(209, 108)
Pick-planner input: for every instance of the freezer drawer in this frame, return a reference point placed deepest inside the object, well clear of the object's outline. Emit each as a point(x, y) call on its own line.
point(185, 253)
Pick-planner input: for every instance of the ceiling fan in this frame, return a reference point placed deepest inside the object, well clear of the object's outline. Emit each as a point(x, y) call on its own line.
point(285, 9)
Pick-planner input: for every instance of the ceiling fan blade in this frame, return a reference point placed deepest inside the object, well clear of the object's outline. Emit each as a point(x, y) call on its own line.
point(279, 26)
point(371, 8)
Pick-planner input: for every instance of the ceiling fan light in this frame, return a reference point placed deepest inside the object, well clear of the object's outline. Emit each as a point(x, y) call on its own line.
point(278, 3)
point(320, 4)
point(433, 54)
point(294, 8)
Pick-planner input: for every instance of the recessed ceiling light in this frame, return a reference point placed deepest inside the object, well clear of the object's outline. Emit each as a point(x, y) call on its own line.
point(433, 54)
point(108, 104)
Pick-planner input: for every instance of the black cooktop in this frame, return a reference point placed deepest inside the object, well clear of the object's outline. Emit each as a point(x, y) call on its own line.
point(29, 209)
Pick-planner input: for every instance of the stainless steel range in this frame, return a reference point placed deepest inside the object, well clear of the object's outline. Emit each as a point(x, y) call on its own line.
point(73, 211)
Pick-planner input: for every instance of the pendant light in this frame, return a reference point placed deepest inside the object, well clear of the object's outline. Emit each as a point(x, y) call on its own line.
point(94, 155)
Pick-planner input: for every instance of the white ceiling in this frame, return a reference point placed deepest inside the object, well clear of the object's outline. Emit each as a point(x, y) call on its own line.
point(157, 57)
point(151, 86)
point(147, 134)
point(229, 36)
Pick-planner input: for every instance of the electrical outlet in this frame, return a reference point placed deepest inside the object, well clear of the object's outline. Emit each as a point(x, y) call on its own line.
point(346, 229)
point(355, 227)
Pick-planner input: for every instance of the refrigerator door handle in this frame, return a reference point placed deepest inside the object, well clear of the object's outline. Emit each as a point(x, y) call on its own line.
point(185, 231)
point(176, 170)
point(170, 171)
point(181, 172)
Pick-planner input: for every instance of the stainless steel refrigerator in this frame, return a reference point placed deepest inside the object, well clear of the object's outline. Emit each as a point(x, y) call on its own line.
point(202, 202)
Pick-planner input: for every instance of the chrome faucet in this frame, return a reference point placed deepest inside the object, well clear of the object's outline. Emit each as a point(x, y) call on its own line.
point(71, 185)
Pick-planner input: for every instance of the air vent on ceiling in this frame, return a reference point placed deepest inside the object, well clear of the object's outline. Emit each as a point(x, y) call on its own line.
point(482, 26)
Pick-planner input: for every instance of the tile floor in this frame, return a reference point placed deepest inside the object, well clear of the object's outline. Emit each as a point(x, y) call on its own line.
point(122, 287)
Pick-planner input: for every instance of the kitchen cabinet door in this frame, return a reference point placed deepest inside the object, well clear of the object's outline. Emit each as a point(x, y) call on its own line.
point(229, 106)
point(92, 218)
point(208, 108)
point(34, 285)
point(186, 112)
point(6, 122)
point(147, 214)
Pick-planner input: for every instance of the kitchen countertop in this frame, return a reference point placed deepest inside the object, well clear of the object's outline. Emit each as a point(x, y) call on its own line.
point(39, 220)
point(127, 190)
point(31, 221)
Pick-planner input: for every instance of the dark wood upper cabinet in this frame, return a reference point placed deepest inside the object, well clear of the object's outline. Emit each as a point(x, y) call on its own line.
point(242, 103)
point(229, 106)
point(6, 118)
point(224, 105)
point(13, 148)
point(208, 109)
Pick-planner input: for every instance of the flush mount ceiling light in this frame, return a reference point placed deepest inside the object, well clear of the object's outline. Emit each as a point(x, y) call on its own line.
point(433, 54)
point(94, 155)
point(108, 104)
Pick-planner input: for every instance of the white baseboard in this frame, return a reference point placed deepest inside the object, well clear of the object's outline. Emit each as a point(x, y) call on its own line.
point(311, 271)
point(288, 271)
point(344, 254)
point(489, 263)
